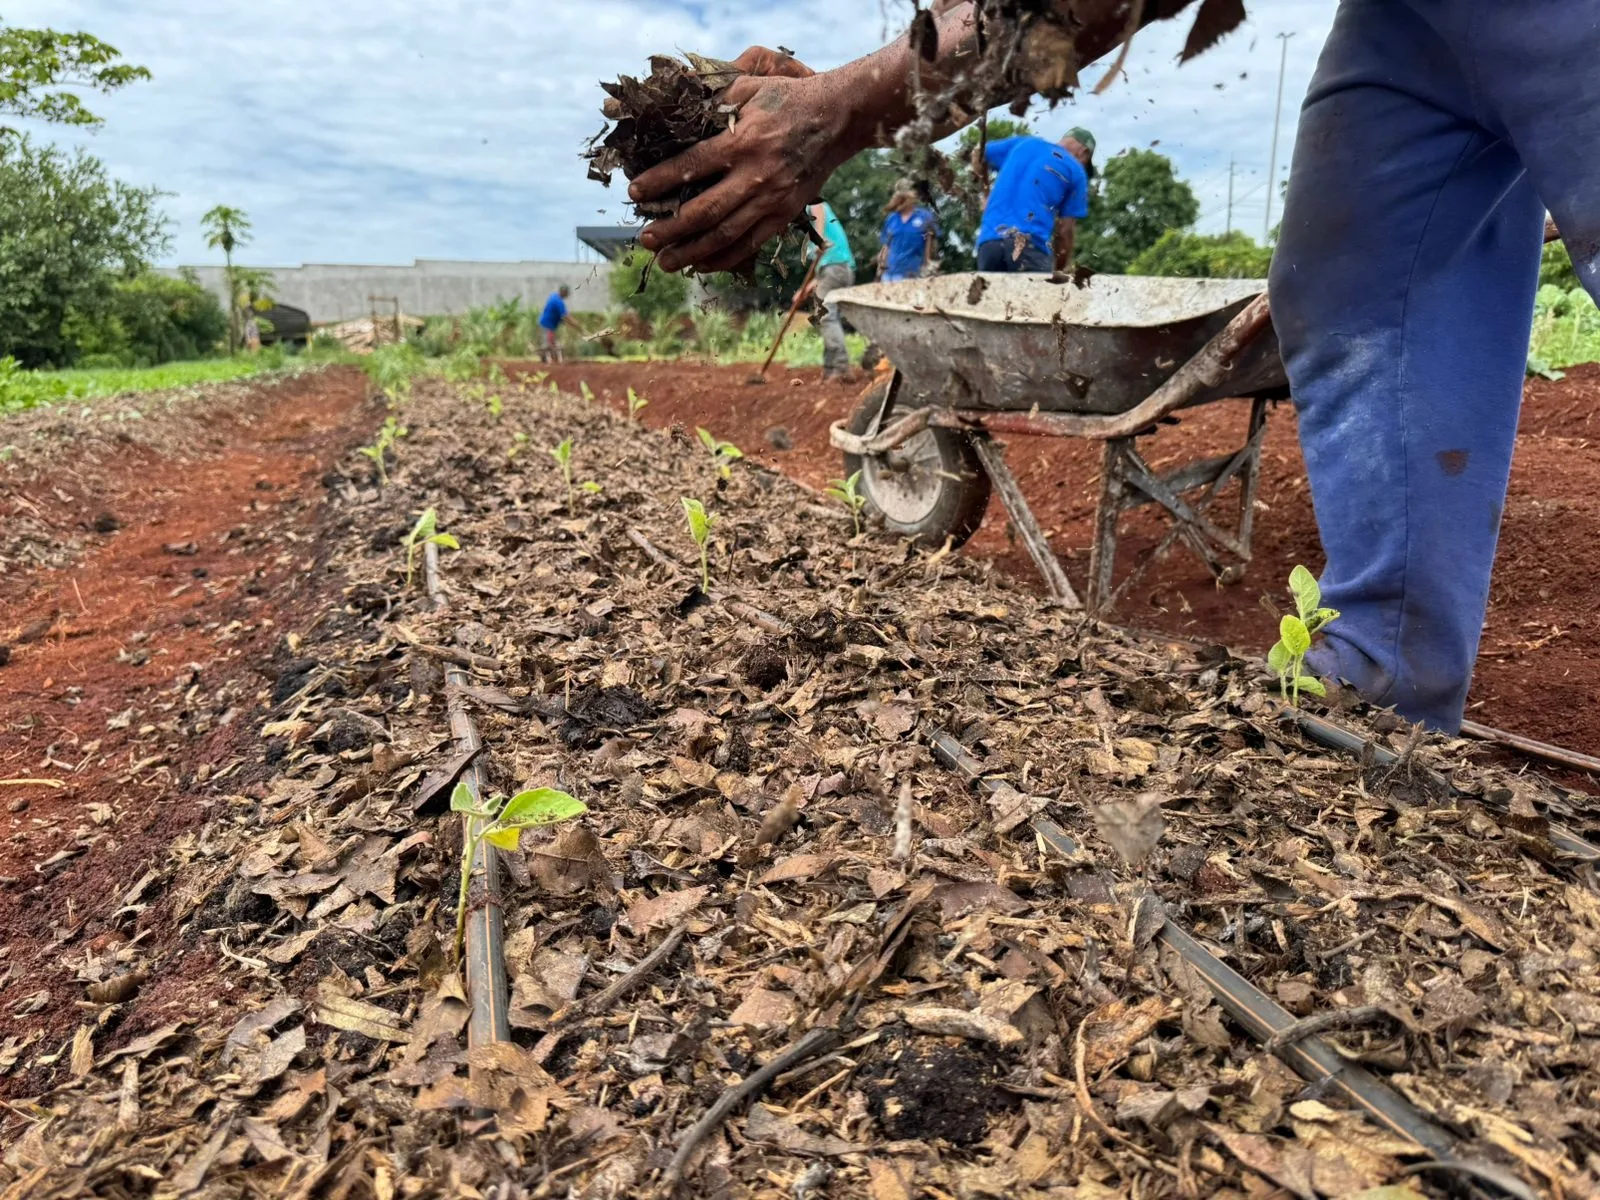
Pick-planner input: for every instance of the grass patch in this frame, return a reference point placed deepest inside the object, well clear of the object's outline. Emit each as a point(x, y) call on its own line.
point(23, 390)
point(1566, 330)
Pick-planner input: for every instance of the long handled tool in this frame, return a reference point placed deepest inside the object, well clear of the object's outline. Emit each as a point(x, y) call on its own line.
point(811, 272)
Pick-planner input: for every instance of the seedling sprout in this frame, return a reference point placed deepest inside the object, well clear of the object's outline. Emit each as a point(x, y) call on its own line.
point(848, 493)
point(723, 454)
point(700, 522)
point(390, 432)
point(501, 824)
point(423, 533)
point(636, 404)
point(1287, 658)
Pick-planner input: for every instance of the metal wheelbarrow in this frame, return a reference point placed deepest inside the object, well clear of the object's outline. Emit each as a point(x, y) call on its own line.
point(976, 355)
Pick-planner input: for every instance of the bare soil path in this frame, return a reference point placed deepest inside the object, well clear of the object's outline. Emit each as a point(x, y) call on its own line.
point(1539, 670)
point(130, 665)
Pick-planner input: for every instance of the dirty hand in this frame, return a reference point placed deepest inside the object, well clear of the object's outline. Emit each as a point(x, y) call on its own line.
point(784, 144)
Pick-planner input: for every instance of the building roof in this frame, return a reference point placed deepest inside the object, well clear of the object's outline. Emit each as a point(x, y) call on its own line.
point(609, 241)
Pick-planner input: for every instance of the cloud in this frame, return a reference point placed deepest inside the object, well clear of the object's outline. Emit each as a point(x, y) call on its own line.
point(383, 133)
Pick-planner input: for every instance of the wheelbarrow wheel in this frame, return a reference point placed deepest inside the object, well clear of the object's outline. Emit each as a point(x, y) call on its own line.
point(928, 488)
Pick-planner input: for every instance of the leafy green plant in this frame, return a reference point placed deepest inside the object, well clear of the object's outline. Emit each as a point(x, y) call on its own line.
point(390, 432)
point(636, 404)
point(500, 824)
point(1287, 658)
point(423, 533)
point(848, 493)
point(585, 392)
point(563, 455)
point(723, 454)
point(700, 522)
point(496, 406)
point(519, 443)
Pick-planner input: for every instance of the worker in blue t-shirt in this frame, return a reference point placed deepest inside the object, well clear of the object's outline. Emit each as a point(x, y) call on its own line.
point(555, 312)
point(909, 236)
point(1038, 198)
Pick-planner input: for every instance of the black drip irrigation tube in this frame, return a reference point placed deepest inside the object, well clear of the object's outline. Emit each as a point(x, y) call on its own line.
point(1312, 1058)
point(1336, 737)
point(487, 989)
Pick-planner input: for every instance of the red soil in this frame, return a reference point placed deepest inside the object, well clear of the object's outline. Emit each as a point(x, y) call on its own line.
point(1539, 671)
point(127, 663)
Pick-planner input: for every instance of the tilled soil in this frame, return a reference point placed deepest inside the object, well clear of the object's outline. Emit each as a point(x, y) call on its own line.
point(1539, 669)
point(183, 552)
point(1002, 1015)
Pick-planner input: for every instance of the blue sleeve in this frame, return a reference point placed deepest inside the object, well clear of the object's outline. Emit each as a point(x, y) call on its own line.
point(883, 231)
point(996, 152)
point(1076, 203)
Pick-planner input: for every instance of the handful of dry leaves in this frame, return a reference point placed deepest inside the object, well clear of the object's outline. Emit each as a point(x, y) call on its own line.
point(676, 106)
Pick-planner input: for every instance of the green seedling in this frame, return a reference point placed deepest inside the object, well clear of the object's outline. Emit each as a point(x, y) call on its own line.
point(700, 522)
point(538, 377)
point(590, 488)
point(583, 390)
point(723, 454)
point(500, 824)
point(636, 404)
point(496, 406)
point(519, 443)
point(1287, 658)
point(425, 532)
point(390, 432)
point(563, 455)
point(848, 493)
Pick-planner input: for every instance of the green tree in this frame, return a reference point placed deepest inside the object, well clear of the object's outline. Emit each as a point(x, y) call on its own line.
point(145, 321)
point(68, 233)
point(228, 228)
point(1195, 255)
point(42, 70)
point(1136, 200)
point(663, 295)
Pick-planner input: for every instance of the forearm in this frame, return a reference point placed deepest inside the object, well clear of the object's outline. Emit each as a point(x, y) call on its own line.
point(1065, 243)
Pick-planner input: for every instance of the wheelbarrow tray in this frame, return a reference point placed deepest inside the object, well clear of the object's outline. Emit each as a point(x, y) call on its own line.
point(1019, 342)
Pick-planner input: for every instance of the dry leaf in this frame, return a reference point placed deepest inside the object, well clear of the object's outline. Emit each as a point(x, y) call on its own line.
point(800, 866)
point(765, 1009)
point(342, 1012)
point(1111, 1031)
point(958, 1022)
point(666, 909)
point(1131, 827)
point(82, 1061)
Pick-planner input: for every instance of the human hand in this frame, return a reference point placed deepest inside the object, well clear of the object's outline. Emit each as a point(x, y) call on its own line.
point(784, 143)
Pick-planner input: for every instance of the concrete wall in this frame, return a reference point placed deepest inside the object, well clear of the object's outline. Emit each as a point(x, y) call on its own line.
point(427, 288)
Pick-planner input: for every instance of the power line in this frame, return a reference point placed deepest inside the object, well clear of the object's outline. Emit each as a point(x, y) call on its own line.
point(1277, 116)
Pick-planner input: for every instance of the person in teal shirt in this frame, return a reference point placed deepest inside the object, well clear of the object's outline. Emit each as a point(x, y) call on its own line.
point(836, 268)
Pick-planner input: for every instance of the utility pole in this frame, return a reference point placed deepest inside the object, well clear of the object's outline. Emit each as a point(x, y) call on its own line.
point(1277, 116)
point(1230, 195)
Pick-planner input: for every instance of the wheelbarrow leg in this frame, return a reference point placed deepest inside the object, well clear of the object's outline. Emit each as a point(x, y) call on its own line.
point(1103, 553)
point(1250, 475)
point(1044, 558)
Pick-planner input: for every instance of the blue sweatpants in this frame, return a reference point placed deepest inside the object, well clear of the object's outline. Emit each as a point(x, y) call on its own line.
point(1434, 135)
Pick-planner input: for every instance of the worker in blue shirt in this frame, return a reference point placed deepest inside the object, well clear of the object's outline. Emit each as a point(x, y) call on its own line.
point(555, 312)
point(1031, 219)
point(909, 236)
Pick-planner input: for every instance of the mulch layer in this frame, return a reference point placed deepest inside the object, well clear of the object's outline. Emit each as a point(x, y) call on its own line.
point(994, 1018)
point(1539, 669)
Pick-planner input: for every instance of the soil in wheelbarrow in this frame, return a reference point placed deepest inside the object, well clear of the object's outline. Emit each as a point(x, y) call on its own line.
point(1539, 671)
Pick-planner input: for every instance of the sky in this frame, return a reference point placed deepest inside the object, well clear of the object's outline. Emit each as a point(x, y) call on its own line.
point(381, 133)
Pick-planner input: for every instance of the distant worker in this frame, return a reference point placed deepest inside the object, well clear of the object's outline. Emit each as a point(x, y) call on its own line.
point(836, 268)
point(555, 312)
point(1030, 223)
point(910, 235)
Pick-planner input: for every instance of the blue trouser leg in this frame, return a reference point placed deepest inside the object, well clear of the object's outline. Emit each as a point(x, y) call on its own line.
point(1402, 291)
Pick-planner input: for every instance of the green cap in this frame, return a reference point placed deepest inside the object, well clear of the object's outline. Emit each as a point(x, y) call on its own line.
point(1083, 137)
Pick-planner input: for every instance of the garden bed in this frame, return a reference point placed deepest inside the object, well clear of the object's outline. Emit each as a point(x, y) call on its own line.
point(771, 850)
point(1539, 674)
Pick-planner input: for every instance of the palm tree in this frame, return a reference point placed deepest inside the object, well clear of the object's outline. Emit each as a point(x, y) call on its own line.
point(228, 228)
